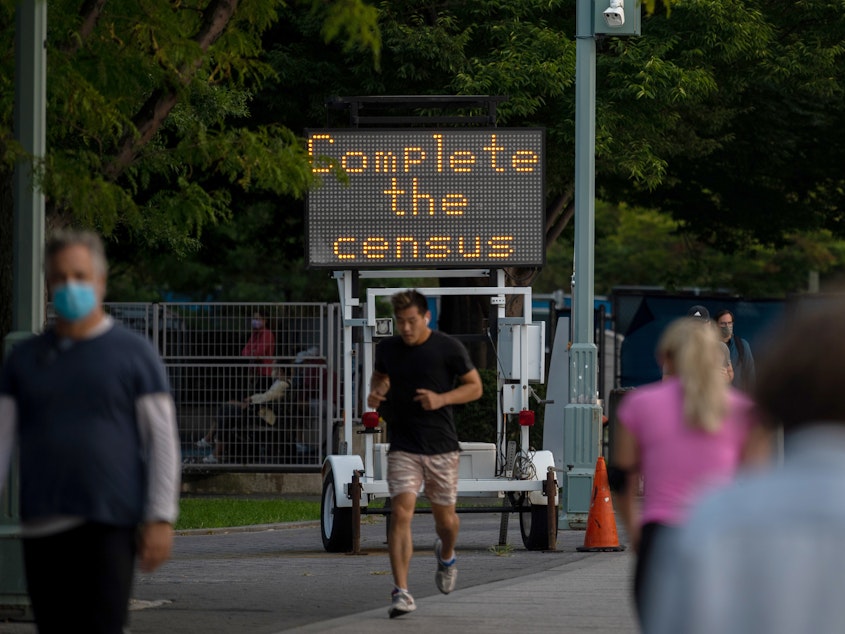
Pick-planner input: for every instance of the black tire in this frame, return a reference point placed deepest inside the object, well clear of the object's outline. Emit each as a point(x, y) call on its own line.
point(335, 522)
point(533, 524)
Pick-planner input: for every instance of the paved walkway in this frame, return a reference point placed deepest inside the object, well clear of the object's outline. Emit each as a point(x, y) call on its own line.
point(278, 579)
point(589, 595)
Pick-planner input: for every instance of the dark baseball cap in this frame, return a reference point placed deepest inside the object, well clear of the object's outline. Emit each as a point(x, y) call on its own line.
point(699, 312)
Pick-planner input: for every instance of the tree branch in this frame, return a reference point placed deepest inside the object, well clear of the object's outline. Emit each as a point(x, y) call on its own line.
point(556, 208)
point(90, 11)
point(559, 216)
point(158, 106)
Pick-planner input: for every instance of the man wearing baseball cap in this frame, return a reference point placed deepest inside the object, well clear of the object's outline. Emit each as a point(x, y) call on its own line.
point(701, 313)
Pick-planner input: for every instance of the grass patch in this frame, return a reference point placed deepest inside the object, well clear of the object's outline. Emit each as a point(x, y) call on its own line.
point(501, 550)
point(223, 512)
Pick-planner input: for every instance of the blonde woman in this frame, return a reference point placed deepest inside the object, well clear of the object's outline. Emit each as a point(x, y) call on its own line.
point(684, 435)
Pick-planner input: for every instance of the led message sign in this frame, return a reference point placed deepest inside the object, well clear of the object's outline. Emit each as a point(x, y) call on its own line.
point(424, 197)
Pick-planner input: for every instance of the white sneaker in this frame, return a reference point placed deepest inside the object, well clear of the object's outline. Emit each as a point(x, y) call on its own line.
point(447, 575)
point(210, 459)
point(401, 603)
point(202, 443)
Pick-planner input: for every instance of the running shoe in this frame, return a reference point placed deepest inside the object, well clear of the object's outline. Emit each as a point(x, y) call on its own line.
point(401, 603)
point(447, 574)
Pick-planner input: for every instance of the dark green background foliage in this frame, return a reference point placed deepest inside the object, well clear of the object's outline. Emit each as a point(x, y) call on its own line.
point(176, 130)
point(476, 421)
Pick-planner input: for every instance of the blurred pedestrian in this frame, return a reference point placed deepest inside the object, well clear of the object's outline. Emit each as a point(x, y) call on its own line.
point(683, 435)
point(234, 416)
point(311, 385)
point(765, 554)
point(261, 349)
point(742, 360)
point(89, 404)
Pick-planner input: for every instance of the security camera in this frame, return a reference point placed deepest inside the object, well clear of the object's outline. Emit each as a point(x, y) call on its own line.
point(614, 15)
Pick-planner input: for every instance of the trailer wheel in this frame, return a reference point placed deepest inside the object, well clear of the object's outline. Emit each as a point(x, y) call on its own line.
point(335, 522)
point(533, 524)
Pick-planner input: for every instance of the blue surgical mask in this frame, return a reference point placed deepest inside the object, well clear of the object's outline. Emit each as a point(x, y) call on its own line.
point(74, 301)
point(256, 323)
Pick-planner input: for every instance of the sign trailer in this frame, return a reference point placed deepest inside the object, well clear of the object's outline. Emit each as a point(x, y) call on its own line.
point(446, 202)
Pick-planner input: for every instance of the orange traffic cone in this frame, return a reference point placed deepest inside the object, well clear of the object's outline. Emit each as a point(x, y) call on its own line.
point(601, 523)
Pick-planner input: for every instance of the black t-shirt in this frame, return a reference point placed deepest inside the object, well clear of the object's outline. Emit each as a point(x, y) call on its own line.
point(434, 365)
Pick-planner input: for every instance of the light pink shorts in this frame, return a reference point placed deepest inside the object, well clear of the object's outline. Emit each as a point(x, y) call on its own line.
point(407, 472)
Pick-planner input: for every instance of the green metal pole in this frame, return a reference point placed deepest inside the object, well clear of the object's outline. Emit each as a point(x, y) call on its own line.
point(582, 414)
point(28, 285)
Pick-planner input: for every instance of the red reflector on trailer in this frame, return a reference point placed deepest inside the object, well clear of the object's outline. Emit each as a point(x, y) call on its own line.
point(526, 418)
point(370, 420)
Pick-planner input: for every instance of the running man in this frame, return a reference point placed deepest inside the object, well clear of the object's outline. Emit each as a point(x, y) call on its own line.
point(418, 376)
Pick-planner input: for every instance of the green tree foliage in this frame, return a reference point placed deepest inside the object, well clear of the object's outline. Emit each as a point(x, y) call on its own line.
point(168, 118)
point(148, 111)
point(723, 114)
point(150, 134)
point(642, 247)
point(744, 100)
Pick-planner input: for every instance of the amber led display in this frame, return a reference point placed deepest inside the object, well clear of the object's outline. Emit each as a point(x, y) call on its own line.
point(426, 198)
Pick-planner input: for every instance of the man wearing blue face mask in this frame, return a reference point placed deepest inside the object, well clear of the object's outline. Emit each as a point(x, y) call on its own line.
point(89, 404)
